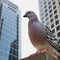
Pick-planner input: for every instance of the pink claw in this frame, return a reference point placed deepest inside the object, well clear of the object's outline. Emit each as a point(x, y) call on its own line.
point(41, 51)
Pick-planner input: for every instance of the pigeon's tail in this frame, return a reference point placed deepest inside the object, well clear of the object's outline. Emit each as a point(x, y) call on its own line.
point(54, 42)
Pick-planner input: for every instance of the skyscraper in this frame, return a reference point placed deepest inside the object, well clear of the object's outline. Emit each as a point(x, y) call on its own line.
point(9, 30)
point(50, 15)
point(14, 51)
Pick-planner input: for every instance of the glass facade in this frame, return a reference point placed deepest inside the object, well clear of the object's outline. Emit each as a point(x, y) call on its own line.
point(8, 32)
point(14, 51)
point(50, 12)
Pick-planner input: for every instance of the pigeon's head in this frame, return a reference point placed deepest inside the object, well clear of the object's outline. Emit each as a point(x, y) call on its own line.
point(29, 14)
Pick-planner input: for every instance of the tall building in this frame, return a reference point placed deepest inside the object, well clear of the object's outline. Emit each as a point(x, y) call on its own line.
point(14, 51)
point(50, 15)
point(9, 30)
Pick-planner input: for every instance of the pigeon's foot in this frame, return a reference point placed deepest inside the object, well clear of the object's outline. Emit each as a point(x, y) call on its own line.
point(40, 51)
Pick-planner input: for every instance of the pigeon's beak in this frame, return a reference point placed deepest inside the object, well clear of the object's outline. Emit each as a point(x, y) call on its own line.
point(25, 16)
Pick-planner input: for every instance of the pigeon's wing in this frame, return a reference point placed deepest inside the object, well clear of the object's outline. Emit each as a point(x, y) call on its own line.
point(48, 31)
point(52, 40)
point(37, 26)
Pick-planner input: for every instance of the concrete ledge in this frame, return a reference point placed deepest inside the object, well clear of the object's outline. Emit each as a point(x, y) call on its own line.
point(41, 56)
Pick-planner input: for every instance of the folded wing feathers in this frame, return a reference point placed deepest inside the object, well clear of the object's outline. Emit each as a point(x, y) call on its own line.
point(52, 40)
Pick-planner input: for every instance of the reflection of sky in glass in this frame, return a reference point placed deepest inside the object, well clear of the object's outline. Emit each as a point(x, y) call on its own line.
point(8, 33)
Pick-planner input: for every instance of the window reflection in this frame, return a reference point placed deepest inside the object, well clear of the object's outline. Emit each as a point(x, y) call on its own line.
point(9, 42)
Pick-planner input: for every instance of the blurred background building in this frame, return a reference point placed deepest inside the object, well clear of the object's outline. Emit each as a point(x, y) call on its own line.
point(50, 15)
point(9, 31)
point(14, 51)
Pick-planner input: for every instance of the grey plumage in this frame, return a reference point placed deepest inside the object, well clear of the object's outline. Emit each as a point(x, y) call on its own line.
point(52, 40)
point(41, 36)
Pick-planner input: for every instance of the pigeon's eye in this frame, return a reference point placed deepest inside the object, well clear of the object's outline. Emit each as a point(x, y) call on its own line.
point(28, 12)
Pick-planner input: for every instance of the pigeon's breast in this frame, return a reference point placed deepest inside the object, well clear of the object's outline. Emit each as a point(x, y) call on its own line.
point(36, 35)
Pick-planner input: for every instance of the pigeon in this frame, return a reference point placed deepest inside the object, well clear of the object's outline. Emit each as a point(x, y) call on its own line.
point(41, 36)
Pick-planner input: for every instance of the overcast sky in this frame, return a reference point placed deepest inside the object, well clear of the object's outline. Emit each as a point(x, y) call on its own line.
point(25, 5)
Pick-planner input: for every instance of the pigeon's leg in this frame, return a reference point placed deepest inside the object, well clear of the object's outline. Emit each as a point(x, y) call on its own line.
point(40, 51)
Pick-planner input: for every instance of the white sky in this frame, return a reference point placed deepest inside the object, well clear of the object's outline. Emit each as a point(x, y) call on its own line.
point(25, 5)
